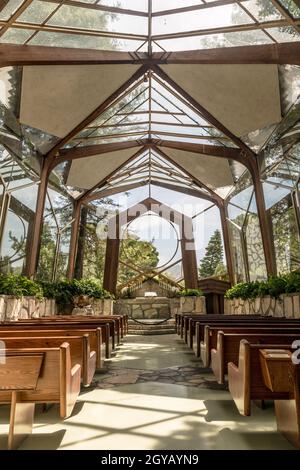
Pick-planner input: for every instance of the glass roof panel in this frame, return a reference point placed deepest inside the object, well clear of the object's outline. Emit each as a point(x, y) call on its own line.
point(10, 9)
point(10, 89)
point(262, 10)
point(214, 17)
point(284, 34)
point(83, 18)
point(37, 12)
point(291, 7)
point(193, 140)
point(184, 129)
point(289, 76)
point(139, 5)
point(45, 38)
point(159, 5)
point(42, 141)
point(212, 41)
point(16, 35)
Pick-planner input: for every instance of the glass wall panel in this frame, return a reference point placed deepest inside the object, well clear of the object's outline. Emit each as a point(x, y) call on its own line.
point(238, 253)
point(92, 244)
point(18, 200)
point(285, 230)
point(254, 246)
point(209, 244)
point(55, 239)
point(245, 233)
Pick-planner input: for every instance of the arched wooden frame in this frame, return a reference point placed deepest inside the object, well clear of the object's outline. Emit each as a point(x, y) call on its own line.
point(184, 224)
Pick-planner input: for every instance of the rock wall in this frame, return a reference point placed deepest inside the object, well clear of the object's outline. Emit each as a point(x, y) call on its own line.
point(159, 307)
point(147, 308)
point(286, 306)
point(190, 305)
point(12, 308)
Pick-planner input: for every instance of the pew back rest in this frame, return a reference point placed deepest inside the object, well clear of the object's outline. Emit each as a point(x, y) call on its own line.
point(211, 331)
point(19, 370)
point(79, 345)
point(95, 333)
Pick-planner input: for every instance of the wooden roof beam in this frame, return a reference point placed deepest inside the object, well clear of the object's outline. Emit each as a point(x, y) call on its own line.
point(231, 153)
point(286, 53)
point(91, 150)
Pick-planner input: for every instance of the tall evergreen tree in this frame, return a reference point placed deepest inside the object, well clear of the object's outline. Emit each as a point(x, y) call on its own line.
point(213, 255)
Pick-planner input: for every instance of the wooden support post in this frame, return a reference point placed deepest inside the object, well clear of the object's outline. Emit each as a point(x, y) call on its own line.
point(227, 246)
point(78, 270)
point(268, 245)
point(74, 239)
point(3, 213)
point(188, 253)
point(112, 256)
point(38, 220)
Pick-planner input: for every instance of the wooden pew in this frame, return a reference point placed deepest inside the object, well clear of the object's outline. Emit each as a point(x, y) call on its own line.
point(211, 334)
point(108, 335)
point(234, 319)
point(228, 343)
point(202, 336)
point(19, 372)
point(80, 350)
point(281, 374)
point(65, 325)
point(118, 321)
point(190, 326)
point(185, 320)
point(95, 336)
point(58, 381)
point(245, 380)
point(121, 321)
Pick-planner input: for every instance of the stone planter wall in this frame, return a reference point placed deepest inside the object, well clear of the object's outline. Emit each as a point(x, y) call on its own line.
point(144, 308)
point(192, 305)
point(159, 307)
point(12, 308)
point(98, 307)
point(174, 303)
point(287, 306)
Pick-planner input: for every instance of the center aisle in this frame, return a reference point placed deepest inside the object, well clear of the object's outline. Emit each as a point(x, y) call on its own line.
point(155, 395)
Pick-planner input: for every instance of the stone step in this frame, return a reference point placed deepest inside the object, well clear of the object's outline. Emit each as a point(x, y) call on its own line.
point(151, 327)
point(152, 332)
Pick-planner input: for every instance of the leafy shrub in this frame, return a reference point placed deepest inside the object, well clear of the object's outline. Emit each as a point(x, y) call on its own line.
point(19, 286)
point(64, 291)
point(293, 282)
point(190, 293)
point(274, 286)
point(244, 290)
point(61, 291)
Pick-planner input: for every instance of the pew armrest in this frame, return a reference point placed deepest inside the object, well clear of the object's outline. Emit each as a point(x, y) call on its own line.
point(217, 359)
point(216, 365)
point(205, 347)
point(70, 380)
point(239, 380)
